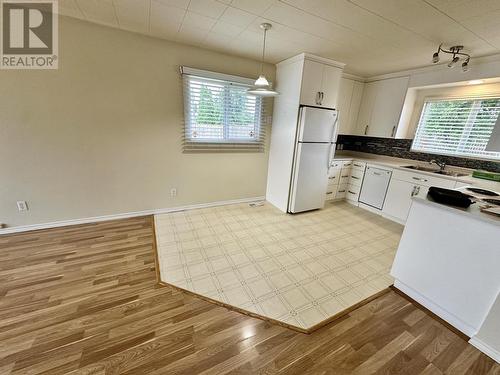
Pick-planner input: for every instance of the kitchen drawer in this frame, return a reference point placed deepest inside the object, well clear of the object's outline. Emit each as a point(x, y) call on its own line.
point(352, 194)
point(334, 172)
point(353, 188)
point(347, 163)
point(333, 180)
point(345, 171)
point(344, 179)
point(341, 191)
point(336, 163)
point(423, 179)
point(358, 165)
point(356, 176)
point(330, 194)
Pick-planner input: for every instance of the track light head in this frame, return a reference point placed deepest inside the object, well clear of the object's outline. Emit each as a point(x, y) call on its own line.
point(435, 58)
point(465, 66)
point(453, 62)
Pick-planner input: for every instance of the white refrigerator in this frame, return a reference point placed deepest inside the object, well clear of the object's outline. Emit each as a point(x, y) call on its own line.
point(314, 148)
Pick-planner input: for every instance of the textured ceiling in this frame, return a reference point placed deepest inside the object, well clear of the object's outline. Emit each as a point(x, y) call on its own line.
point(371, 36)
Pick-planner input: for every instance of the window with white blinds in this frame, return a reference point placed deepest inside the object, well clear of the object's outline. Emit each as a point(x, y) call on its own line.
point(220, 115)
point(457, 127)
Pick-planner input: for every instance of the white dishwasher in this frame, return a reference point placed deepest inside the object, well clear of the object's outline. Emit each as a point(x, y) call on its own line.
point(374, 188)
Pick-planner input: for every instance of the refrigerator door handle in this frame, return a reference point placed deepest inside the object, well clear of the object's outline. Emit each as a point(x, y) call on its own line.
point(333, 140)
point(335, 130)
point(330, 155)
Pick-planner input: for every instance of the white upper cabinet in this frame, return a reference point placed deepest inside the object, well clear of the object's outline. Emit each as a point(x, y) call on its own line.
point(344, 104)
point(381, 107)
point(320, 84)
point(357, 95)
point(330, 86)
point(348, 102)
point(366, 108)
point(312, 78)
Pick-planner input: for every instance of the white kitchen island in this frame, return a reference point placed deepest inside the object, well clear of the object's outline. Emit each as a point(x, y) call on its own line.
point(448, 260)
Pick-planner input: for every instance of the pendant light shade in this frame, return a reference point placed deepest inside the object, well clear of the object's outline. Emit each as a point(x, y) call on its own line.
point(261, 81)
point(261, 86)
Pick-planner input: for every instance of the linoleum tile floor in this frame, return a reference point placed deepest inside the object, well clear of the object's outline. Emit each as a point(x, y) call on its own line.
point(298, 269)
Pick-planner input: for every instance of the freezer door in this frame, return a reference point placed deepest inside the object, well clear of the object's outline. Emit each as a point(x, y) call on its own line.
point(317, 125)
point(310, 177)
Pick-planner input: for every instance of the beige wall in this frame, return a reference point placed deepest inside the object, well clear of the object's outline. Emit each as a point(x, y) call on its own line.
point(102, 135)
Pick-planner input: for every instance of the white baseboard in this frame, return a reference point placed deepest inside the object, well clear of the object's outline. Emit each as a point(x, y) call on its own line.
point(370, 208)
point(485, 348)
point(95, 219)
point(436, 309)
point(393, 218)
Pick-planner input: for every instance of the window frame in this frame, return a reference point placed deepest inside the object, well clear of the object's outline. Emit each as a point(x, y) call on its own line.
point(450, 98)
point(256, 143)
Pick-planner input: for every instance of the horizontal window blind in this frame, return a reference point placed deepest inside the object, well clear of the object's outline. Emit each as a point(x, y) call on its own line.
point(457, 127)
point(221, 116)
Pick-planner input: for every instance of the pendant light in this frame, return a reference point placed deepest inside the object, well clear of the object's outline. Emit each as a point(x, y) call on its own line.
point(261, 86)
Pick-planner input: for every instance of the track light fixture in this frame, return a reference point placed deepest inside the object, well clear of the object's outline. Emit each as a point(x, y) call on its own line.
point(455, 51)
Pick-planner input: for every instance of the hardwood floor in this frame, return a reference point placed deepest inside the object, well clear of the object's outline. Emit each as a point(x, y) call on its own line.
point(84, 300)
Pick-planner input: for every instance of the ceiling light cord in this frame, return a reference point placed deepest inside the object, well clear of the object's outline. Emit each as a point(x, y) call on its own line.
point(263, 52)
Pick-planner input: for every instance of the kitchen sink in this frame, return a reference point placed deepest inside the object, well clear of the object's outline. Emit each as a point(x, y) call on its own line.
point(419, 168)
point(434, 170)
point(451, 173)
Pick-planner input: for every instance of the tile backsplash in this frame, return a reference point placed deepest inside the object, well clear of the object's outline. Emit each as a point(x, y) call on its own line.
point(400, 148)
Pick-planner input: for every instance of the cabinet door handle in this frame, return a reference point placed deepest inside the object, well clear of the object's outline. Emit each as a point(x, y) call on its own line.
point(393, 132)
point(318, 94)
point(420, 179)
point(322, 97)
point(351, 192)
point(342, 191)
point(357, 165)
point(345, 176)
point(356, 178)
point(330, 192)
point(366, 130)
point(331, 178)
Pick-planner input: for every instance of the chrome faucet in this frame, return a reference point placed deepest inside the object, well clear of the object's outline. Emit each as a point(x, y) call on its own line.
point(440, 164)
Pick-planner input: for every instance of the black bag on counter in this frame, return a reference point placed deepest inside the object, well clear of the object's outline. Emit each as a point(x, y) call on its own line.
point(451, 197)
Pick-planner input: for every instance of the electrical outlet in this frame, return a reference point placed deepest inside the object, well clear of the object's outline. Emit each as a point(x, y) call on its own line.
point(173, 193)
point(22, 206)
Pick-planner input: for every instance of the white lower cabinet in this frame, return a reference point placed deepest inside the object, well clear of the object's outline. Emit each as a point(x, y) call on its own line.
point(338, 178)
point(353, 193)
point(406, 185)
point(341, 192)
point(398, 201)
point(346, 180)
point(331, 192)
point(356, 175)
